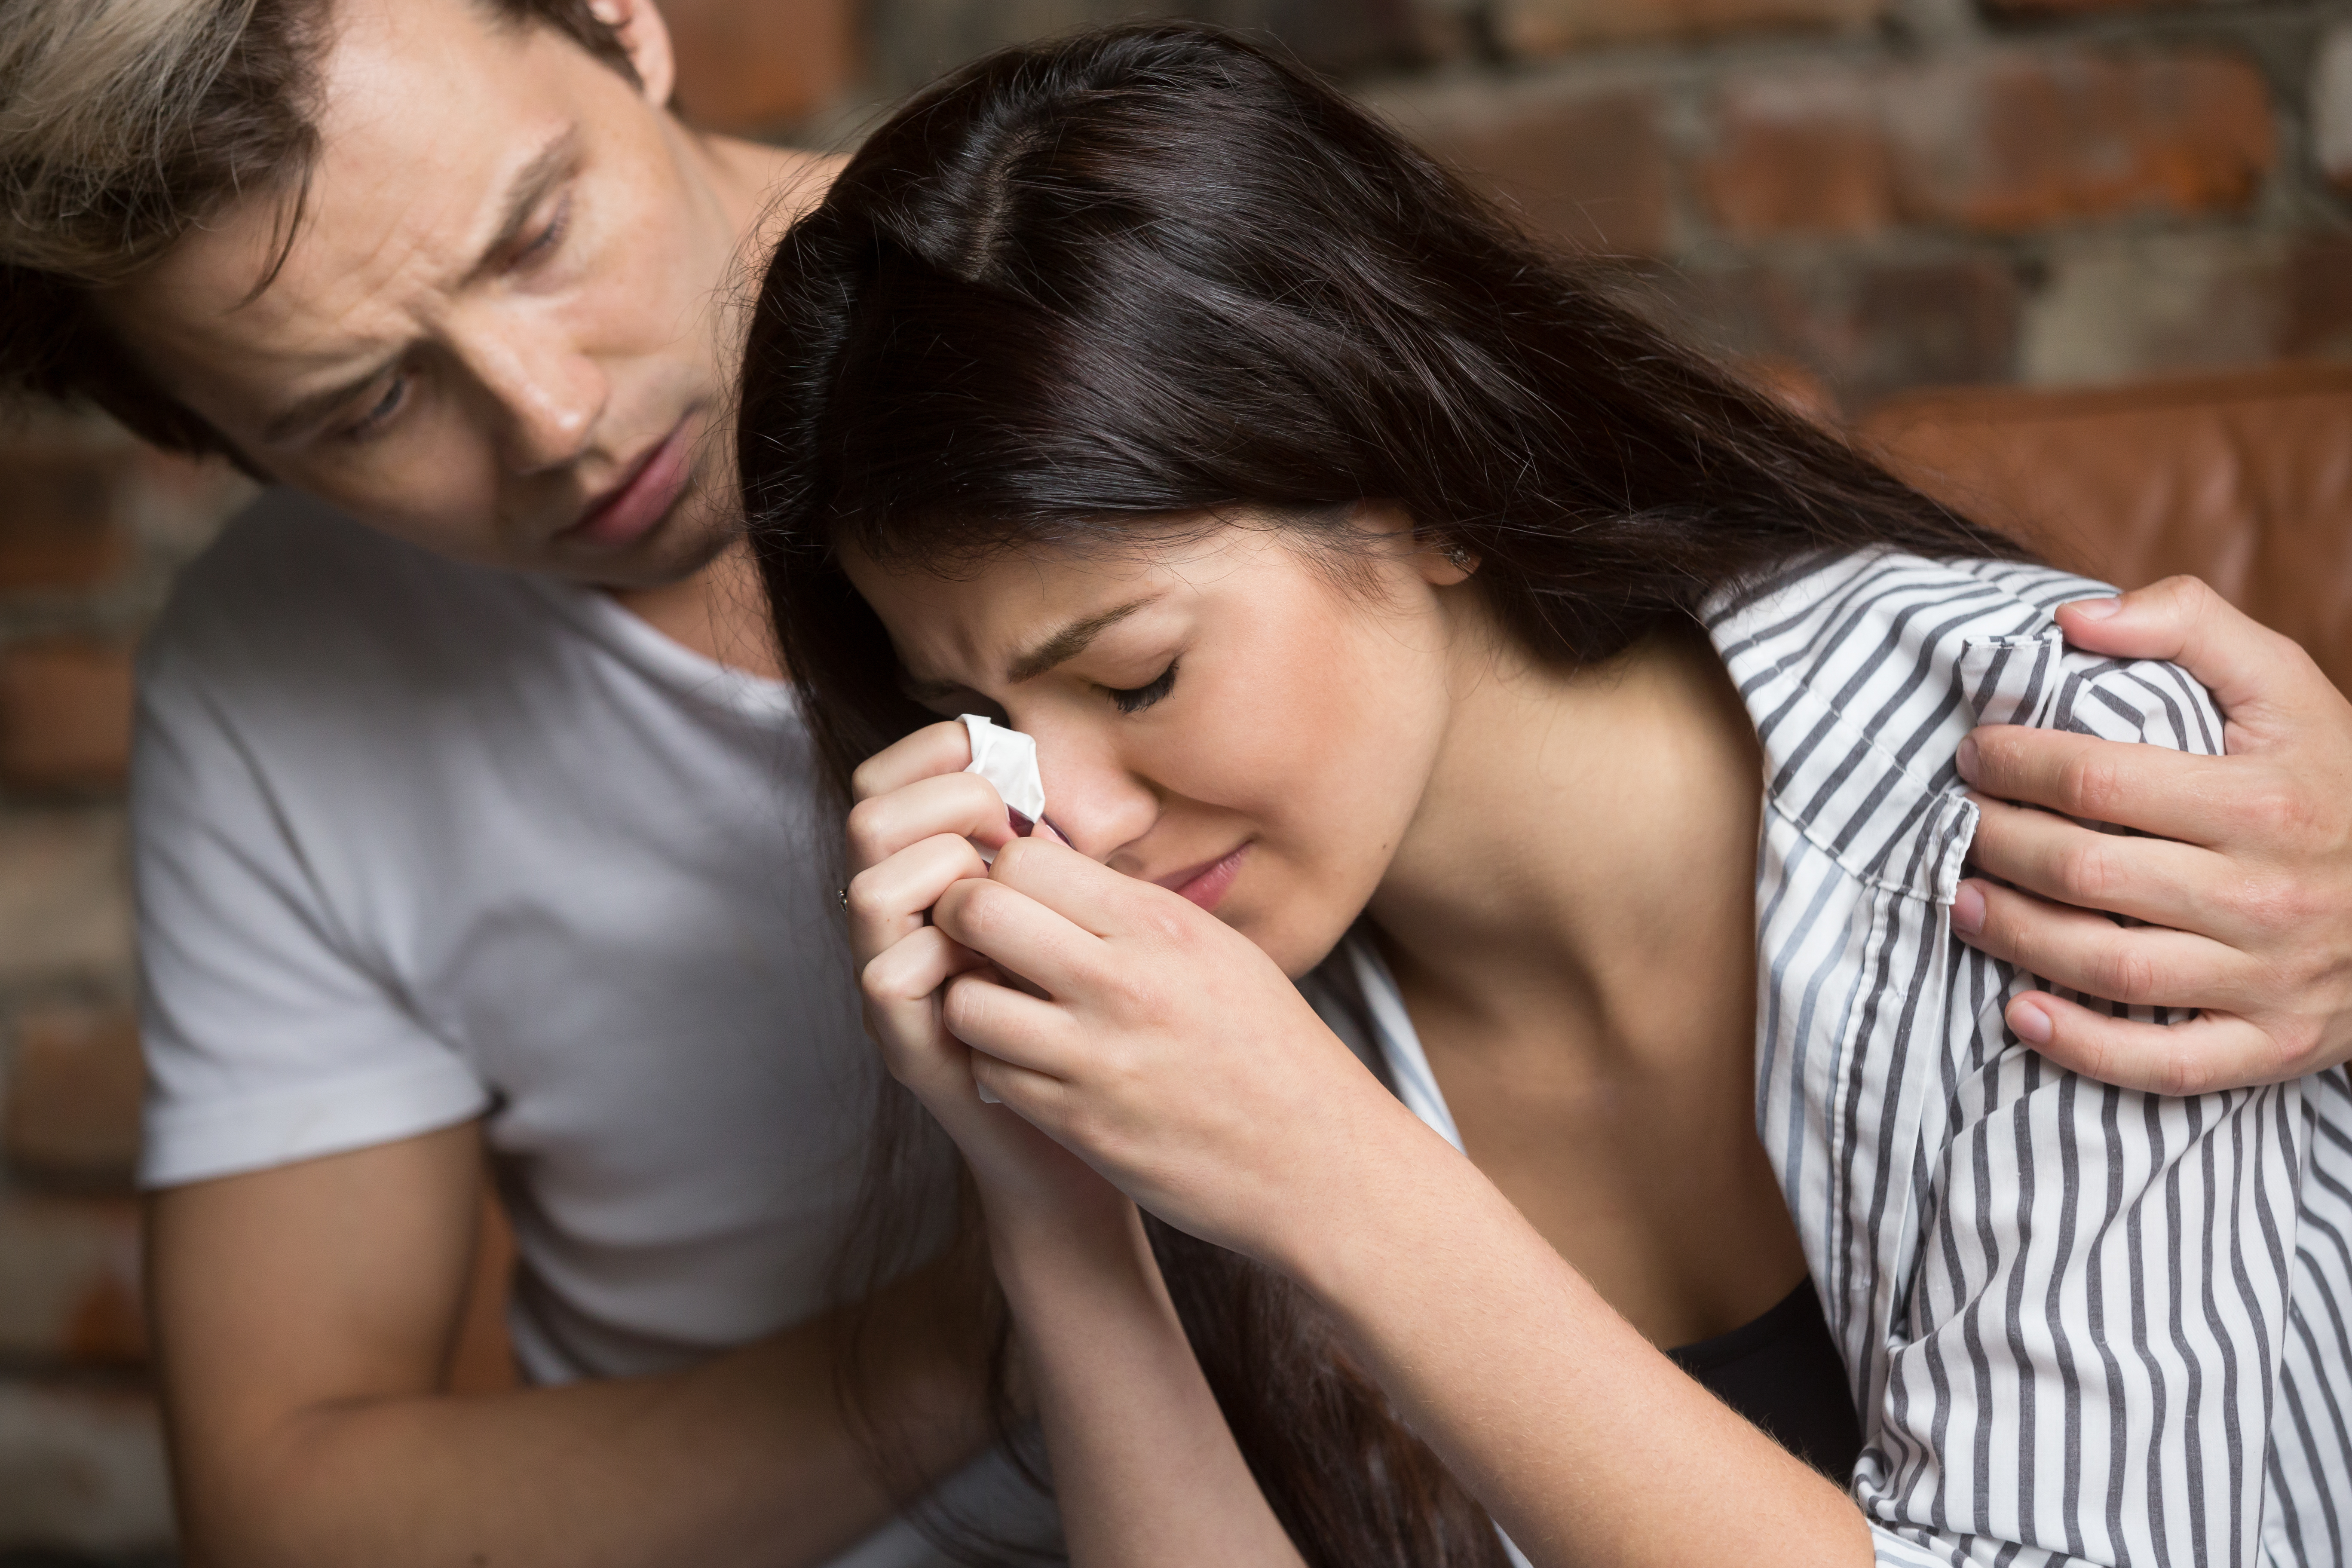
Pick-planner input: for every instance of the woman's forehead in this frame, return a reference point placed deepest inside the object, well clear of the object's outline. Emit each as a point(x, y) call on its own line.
point(979, 617)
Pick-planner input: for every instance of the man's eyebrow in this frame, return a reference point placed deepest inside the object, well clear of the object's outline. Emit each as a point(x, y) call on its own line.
point(547, 168)
point(1069, 642)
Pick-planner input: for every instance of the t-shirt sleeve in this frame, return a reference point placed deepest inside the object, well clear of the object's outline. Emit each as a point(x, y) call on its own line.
point(269, 1038)
point(2087, 1368)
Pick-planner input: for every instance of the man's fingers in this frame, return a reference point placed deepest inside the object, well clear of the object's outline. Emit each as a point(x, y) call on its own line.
point(2151, 880)
point(2246, 666)
point(2153, 788)
point(941, 748)
point(2136, 966)
point(2212, 1051)
point(961, 804)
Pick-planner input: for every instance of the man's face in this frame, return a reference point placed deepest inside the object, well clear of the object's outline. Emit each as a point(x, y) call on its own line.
point(500, 333)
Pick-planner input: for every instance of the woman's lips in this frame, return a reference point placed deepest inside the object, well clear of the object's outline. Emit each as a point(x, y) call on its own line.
point(643, 499)
point(1207, 884)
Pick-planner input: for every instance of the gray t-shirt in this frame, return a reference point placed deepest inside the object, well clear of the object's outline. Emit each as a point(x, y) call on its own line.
point(418, 842)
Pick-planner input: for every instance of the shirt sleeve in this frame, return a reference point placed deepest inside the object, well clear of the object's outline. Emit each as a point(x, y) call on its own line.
point(268, 1041)
point(2085, 1366)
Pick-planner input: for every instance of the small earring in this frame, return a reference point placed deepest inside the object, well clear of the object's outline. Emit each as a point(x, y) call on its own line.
point(1457, 555)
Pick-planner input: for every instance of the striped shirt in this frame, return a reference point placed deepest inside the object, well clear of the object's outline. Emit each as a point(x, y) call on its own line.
point(2079, 1324)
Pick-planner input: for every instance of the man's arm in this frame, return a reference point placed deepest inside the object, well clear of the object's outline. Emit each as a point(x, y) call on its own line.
point(2246, 885)
point(305, 1318)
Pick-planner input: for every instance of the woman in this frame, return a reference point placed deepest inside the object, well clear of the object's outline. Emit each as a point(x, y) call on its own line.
point(1381, 597)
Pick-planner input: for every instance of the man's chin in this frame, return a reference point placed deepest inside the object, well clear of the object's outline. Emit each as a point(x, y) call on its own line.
point(688, 539)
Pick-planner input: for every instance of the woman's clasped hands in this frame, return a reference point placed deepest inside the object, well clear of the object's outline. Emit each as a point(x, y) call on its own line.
point(1131, 1029)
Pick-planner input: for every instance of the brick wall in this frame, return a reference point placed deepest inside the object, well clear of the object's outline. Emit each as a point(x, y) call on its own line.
point(90, 529)
point(1879, 193)
point(1886, 193)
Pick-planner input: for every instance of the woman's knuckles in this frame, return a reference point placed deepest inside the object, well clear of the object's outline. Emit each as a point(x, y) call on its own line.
point(955, 804)
point(966, 1008)
point(980, 913)
point(939, 748)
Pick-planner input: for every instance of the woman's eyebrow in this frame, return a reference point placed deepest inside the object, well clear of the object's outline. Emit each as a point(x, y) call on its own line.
point(1069, 642)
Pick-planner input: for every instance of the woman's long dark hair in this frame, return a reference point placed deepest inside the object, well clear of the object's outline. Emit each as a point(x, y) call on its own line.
point(1161, 270)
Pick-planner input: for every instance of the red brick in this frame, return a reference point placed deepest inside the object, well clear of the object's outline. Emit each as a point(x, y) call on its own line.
point(750, 66)
point(64, 905)
point(71, 1109)
point(1547, 27)
point(1590, 172)
point(58, 527)
point(70, 1280)
point(82, 1471)
point(2015, 141)
point(65, 713)
point(1800, 153)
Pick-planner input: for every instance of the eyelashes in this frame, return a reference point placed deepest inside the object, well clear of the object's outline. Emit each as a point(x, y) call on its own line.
point(1136, 699)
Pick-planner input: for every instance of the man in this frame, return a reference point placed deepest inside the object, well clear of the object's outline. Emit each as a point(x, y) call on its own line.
point(481, 822)
point(442, 849)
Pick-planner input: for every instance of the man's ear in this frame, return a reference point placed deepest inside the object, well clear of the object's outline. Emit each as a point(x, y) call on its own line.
point(646, 37)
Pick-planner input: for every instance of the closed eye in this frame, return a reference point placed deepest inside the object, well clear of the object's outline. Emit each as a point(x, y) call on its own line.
point(372, 422)
point(549, 238)
point(1136, 699)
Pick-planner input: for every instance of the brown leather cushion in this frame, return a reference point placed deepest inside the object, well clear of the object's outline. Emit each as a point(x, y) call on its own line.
point(2243, 479)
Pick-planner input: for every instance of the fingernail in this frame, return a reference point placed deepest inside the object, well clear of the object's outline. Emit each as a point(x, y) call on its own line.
point(1969, 910)
point(2029, 1023)
point(1966, 759)
point(2096, 609)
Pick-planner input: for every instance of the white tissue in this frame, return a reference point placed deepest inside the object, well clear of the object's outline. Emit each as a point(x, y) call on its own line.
point(1008, 759)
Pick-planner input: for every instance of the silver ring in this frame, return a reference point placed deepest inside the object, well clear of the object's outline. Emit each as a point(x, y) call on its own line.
point(843, 894)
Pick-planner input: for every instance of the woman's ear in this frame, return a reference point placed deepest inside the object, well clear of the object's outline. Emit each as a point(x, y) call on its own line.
point(1442, 559)
point(646, 37)
point(1444, 562)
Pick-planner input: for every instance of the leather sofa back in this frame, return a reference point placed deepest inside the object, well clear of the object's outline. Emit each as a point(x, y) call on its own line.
point(2244, 479)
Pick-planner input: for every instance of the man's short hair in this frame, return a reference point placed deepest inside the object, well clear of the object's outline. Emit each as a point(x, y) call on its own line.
point(125, 123)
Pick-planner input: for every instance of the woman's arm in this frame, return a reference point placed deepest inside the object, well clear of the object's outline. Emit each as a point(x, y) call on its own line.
point(1186, 1066)
point(1587, 1445)
point(2112, 1294)
point(1145, 1469)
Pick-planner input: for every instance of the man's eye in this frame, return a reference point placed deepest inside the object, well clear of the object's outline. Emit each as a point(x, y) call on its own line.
point(1135, 700)
point(376, 417)
point(548, 238)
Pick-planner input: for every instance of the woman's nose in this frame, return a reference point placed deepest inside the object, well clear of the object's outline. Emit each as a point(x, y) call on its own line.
point(1095, 804)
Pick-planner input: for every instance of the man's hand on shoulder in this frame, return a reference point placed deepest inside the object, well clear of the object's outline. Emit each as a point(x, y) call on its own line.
point(2245, 884)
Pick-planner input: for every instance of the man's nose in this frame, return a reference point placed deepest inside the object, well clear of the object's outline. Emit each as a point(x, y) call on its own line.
point(1090, 800)
point(548, 396)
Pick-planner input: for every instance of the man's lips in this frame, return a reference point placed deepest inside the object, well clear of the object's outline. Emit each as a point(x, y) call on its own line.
point(625, 513)
point(1206, 885)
